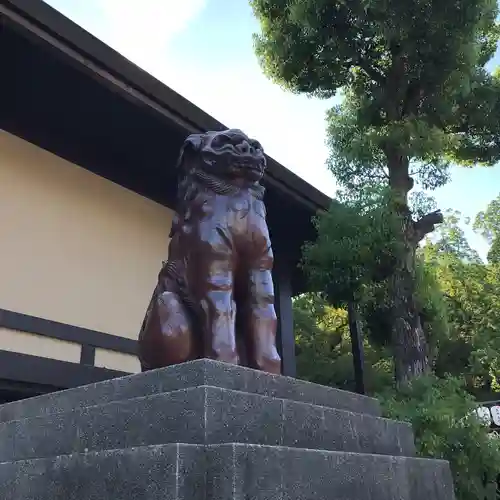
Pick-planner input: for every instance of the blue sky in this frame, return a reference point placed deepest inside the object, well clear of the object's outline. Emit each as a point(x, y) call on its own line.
point(203, 50)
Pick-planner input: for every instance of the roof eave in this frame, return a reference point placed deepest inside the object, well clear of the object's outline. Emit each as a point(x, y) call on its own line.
point(45, 22)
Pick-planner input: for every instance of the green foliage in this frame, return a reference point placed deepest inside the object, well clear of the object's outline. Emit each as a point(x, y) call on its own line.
point(375, 307)
point(458, 299)
point(441, 413)
point(359, 147)
point(432, 306)
point(450, 239)
point(476, 121)
point(473, 298)
point(411, 74)
point(356, 247)
point(421, 203)
point(471, 291)
point(318, 46)
point(416, 97)
point(355, 252)
point(323, 347)
point(494, 252)
point(487, 223)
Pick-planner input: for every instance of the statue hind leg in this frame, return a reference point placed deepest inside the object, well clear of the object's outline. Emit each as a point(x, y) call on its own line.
point(166, 336)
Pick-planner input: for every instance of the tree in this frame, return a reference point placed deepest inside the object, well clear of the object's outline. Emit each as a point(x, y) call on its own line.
point(471, 290)
point(450, 240)
point(487, 223)
point(458, 298)
point(352, 259)
point(477, 118)
point(472, 293)
point(411, 73)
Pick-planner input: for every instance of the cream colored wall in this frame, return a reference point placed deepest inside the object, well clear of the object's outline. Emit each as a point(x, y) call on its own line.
point(75, 248)
point(113, 360)
point(37, 345)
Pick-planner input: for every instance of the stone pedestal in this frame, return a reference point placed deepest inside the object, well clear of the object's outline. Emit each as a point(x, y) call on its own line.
point(207, 430)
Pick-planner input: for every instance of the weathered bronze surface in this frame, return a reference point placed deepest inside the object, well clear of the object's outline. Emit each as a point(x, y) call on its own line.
point(215, 297)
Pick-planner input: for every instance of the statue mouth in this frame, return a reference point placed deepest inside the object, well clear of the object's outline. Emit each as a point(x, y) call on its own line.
point(235, 152)
point(248, 165)
point(233, 159)
point(248, 173)
point(233, 155)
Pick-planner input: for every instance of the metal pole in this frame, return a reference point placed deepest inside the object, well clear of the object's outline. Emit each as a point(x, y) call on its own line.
point(357, 347)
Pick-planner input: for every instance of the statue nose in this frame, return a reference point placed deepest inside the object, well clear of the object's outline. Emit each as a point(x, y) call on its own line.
point(244, 147)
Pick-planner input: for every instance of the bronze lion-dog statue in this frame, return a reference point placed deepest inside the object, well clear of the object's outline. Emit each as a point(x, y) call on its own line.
point(215, 296)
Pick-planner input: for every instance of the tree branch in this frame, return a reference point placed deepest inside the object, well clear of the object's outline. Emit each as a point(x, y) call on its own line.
point(426, 224)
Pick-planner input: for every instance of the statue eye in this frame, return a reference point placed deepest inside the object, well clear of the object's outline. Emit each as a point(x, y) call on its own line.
point(257, 145)
point(220, 140)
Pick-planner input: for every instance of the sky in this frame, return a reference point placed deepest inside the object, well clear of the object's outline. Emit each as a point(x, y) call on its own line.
point(203, 49)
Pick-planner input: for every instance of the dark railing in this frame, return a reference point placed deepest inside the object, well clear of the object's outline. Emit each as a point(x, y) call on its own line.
point(357, 347)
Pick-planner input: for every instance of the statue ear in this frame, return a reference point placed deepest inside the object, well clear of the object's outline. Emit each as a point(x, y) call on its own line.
point(193, 141)
point(192, 144)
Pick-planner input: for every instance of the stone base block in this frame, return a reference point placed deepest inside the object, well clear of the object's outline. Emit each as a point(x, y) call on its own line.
point(225, 472)
point(188, 375)
point(202, 415)
point(210, 431)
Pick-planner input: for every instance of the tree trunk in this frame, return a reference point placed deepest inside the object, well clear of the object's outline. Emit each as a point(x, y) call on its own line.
point(408, 340)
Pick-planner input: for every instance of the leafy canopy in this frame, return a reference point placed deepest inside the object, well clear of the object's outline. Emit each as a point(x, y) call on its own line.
point(450, 240)
point(355, 248)
point(471, 290)
point(487, 223)
point(412, 77)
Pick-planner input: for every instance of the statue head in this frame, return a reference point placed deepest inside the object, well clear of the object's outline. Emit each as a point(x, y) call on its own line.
point(227, 154)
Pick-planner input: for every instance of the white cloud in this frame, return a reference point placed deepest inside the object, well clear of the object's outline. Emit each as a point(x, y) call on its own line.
point(142, 31)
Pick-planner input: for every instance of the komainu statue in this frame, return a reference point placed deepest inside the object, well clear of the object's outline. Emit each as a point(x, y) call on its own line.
point(215, 297)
